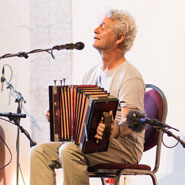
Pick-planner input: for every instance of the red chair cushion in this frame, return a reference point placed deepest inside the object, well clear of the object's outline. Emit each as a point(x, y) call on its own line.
point(118, 166)
point(153, 108)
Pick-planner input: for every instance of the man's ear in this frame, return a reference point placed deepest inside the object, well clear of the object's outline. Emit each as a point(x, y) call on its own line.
point(120, 39)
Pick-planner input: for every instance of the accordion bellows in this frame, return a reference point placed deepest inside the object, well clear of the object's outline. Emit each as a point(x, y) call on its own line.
point(76, 111)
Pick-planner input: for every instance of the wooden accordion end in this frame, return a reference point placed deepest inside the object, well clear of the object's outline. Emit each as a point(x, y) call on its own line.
point(76, 111)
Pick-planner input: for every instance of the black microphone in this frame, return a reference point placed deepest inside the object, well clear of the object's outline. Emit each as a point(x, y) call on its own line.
point(13, 115)
point(134, 121)
point(78, 46)
point(155, 123)
point(2, 80)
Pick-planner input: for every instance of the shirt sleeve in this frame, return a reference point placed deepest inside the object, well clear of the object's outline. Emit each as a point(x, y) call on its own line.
point(132, 93)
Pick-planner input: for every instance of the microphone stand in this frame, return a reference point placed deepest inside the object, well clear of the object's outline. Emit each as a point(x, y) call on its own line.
point(69, 46)
point(18, 99)
point(16, 121)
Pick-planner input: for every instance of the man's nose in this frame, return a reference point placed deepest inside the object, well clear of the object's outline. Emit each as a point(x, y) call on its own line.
point(96, 30)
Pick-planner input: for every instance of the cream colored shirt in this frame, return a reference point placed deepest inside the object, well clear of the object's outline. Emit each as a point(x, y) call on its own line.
point(126, 83)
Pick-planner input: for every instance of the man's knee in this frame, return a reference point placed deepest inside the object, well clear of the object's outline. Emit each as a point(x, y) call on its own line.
point(67, 149)
point(37, 150)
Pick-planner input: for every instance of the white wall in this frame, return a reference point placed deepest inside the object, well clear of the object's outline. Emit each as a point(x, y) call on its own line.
point(158, 53)
point(14, 37)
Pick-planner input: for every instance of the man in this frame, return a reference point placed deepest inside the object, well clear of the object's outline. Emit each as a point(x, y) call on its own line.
point(113, 38)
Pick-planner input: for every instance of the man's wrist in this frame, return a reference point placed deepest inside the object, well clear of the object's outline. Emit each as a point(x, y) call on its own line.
point(120, 130)
point(120, 124)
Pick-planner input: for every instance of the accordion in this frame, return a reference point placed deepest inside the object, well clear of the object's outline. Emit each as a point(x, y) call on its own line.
point(76, 111)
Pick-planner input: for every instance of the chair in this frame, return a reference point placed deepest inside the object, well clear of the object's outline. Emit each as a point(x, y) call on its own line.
point(155, 105)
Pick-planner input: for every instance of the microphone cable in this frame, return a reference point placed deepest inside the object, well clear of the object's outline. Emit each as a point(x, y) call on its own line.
point(11, 72)
point(10, 155)
point(162, 138)
point(3, 141)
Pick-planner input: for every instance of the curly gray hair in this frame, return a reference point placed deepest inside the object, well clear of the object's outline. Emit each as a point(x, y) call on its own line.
point(125, 24)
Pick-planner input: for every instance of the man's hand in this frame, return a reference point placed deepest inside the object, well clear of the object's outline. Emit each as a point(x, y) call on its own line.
point(114, 130)
point(48, 115)
point(100, 131)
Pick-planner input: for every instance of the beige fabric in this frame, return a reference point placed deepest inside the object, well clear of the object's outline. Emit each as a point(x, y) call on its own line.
point(126, 83)
point(46, 157)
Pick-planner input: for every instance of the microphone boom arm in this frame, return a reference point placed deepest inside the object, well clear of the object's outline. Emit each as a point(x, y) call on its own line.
point(156, 123)
point(78, 46)
point(14, 119)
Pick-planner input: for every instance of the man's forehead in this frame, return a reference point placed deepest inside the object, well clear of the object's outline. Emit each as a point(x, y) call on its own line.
point(107, 20)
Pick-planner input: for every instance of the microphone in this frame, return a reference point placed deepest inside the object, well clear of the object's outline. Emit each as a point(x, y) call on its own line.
point(133, 121)
point(136, 121)
point(78, 46)
point(13, 115)
point(156, 123)
point(2, 80)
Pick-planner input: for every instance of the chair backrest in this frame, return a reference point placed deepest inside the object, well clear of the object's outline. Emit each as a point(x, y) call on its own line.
point(155, 105)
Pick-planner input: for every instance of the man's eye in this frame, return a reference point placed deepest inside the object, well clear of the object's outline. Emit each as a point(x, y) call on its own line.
point(103, 26)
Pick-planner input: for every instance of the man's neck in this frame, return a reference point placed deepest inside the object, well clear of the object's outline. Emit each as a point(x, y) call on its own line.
point(112, 60)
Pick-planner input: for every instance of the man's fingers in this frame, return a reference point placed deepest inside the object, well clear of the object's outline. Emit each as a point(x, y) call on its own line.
point(48, 115)
point(98, 137)
point(111, 113)
point(101, 126)
point(100, 131)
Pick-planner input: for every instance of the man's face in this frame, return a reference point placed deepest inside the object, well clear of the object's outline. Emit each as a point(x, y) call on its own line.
point(104, 38)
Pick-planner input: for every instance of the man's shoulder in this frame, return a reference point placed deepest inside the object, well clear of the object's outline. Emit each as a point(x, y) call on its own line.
point(128, 70)
point(132, 71)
